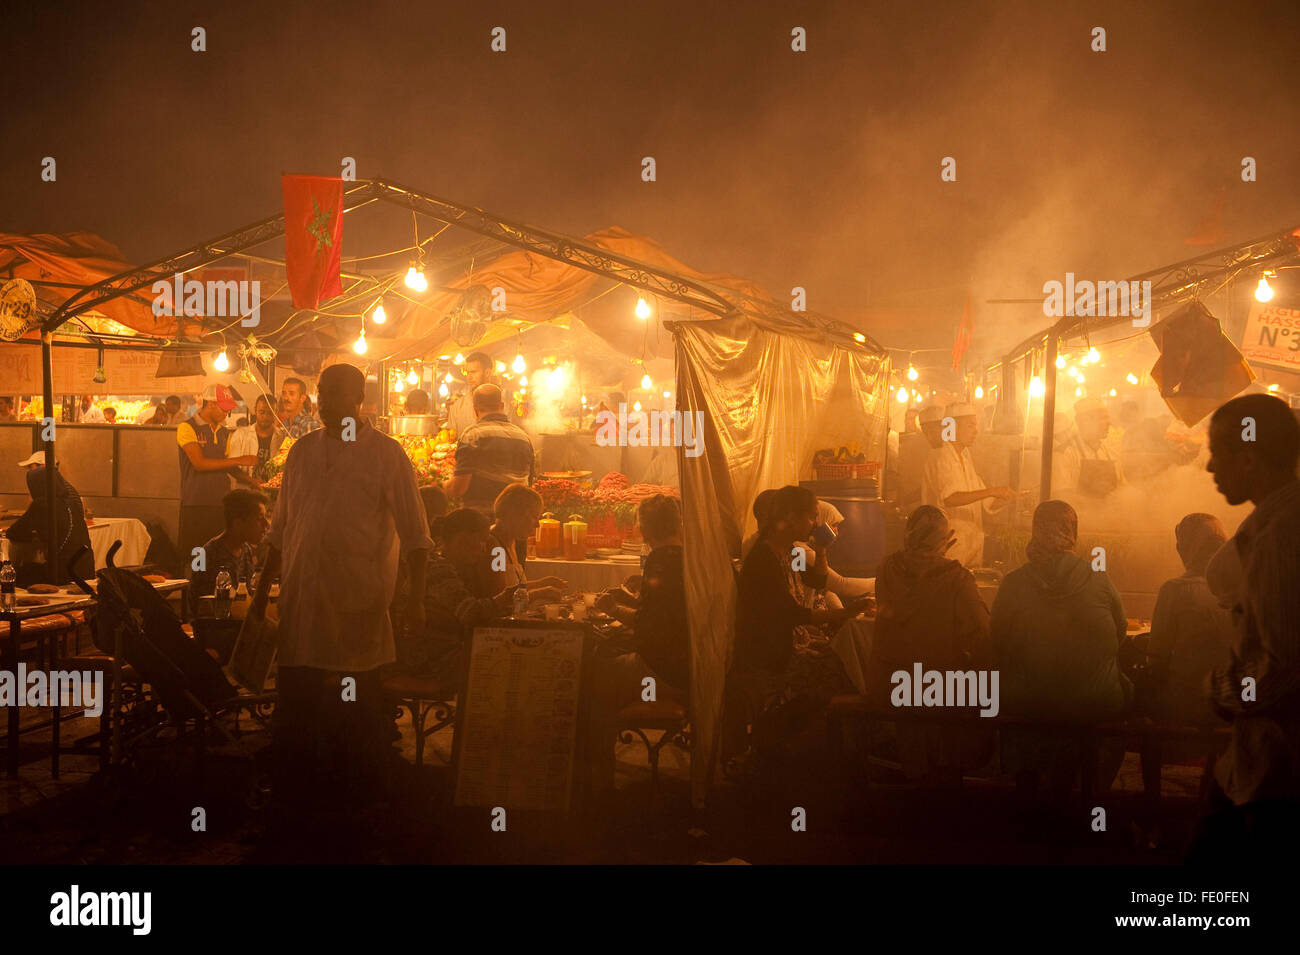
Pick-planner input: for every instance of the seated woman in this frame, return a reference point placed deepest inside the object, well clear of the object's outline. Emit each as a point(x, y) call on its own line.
point(517, 510)
point(660, 642)
point(31, 529)
point(1057, 626)
point(929, 611)
point(777, 634)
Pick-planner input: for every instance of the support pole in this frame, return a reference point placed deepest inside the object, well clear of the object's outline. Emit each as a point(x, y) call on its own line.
point(1049, 417)
point(52, 555)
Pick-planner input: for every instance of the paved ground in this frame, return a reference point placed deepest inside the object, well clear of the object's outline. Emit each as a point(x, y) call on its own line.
point(84, 818)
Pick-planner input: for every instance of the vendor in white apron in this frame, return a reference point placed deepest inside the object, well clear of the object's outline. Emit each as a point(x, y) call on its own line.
point(1089, 463)
point(951, 482)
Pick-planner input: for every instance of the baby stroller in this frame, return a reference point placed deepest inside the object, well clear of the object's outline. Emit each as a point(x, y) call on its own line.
point(187, 691)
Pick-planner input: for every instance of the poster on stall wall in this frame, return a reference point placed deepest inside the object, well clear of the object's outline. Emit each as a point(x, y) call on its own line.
point(516, 741)
point(1272, 336)
point(127, 372)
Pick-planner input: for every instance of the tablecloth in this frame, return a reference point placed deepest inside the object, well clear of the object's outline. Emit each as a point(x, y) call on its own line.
point(586, 575)
point(131, 532)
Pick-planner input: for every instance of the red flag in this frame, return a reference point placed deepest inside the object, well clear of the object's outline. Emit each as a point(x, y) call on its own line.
point(964, 332)
point(313, 237)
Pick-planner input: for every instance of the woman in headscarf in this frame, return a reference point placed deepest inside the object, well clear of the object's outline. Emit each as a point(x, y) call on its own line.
point(32, 528)
point(1057, 627)
point(929, 611)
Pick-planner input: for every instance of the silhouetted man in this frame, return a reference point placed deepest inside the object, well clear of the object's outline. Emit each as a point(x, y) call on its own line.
point(1255, 804)
point(348, 510)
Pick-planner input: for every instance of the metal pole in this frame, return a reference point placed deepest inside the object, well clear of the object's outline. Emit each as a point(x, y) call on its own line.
point(47, 431)
point(1049, 415)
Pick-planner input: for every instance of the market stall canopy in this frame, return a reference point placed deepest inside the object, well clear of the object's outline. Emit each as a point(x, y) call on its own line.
point(58, 266)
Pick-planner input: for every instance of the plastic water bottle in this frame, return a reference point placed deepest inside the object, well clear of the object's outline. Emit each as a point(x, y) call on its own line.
point(521, 600)
point(222, 603)
point(8, 579)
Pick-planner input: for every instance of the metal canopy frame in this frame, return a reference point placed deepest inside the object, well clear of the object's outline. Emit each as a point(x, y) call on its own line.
point(1170, 284)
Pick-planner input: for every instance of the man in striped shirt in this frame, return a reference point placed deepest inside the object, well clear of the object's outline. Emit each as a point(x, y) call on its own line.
point(491, 454)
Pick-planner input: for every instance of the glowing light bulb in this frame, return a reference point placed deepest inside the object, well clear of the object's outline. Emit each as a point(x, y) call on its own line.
point(449, 379)
point(1036, 387)
point(642, 309)
point(668, 394)
point(379, 316)
point(1060, 361)
point(1272, 387)
point(443, 390)
point(1263, 291)
point(912, 374)
point(1078, 392)
point(519, 365)
point(413, 378)
point(523, 382)
point(412, 277)
point(399, 385)
point(584, 400)
point(646, 383)
point(1081, 379)
point(636, 406)
point(916, 395)
point(459, 359)
point(1072, 372)
point(501, 366)
point(859, 338)
point(979, 392)
point(1131, 378)
point(903, 396)
point(1113, 393)
point(1094, 356)
point(359, 346)
point(221, 362)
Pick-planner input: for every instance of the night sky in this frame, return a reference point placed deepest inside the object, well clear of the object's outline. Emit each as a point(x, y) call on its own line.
point(818, 169)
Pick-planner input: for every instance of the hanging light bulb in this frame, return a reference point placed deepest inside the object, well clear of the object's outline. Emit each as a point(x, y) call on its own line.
point(903, 396)
point(1036, 387)
point(584, 401)
point(636, 406)
point(1078, 392)
point(1080, 379)
point(449, 379)
point(1264, 291)
point(1113, 393)
point(1131, 378)
point(979, 392)
point(646, 383)
point(501, 366)
point(1060, 361)
point(1094, 356)
point(519, 365)
point(459, 359)
point(667, 395)
point(222, 363)
point(359, 346)
point(642, 309)
point(443, 390)
point(1072, 372)
point(379, 316)
point(523, 381)
point(916, 395)
point(1272, 387)
point(859, 338)
point(413, 378)
point(912, 373)
point(399, 385)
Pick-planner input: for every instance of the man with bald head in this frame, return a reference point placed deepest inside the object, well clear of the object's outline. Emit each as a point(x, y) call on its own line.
point(491, 453)
point(347, 512)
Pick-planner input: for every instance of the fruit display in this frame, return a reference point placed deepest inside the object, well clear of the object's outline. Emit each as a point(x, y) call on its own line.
point(433, 457)
point(609, 508)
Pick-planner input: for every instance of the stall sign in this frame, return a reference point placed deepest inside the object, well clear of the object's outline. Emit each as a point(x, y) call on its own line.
point(1272, 337)
point(18, 313)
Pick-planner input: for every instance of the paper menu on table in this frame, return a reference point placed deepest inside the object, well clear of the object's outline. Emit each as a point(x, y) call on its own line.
point(519, 722)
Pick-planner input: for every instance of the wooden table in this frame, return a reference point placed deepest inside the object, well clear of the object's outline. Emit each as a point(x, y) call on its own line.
point(58, 603)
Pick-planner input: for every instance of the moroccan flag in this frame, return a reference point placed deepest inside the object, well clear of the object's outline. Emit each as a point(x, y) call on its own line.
point(964, 332)
point(313, 237)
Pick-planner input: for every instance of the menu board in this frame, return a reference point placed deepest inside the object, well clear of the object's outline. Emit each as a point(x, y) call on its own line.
point(517, 732)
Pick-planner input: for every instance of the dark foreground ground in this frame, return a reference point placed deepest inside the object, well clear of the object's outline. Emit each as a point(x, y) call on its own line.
point(145, 818)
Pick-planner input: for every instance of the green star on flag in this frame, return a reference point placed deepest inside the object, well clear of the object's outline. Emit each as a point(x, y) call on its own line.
point(319, 227)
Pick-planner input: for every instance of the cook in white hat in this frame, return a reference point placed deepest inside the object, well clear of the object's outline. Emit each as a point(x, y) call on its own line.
point(951, 482)
point(37, 460)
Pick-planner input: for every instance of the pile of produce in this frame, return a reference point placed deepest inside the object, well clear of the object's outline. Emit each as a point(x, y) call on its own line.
point(613, 501)
point(434, 458)
point(274, 471)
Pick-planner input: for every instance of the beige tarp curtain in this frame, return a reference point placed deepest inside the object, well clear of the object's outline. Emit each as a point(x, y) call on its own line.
point(770, 399)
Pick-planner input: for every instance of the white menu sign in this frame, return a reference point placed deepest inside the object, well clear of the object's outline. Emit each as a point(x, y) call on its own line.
point(519, 719)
